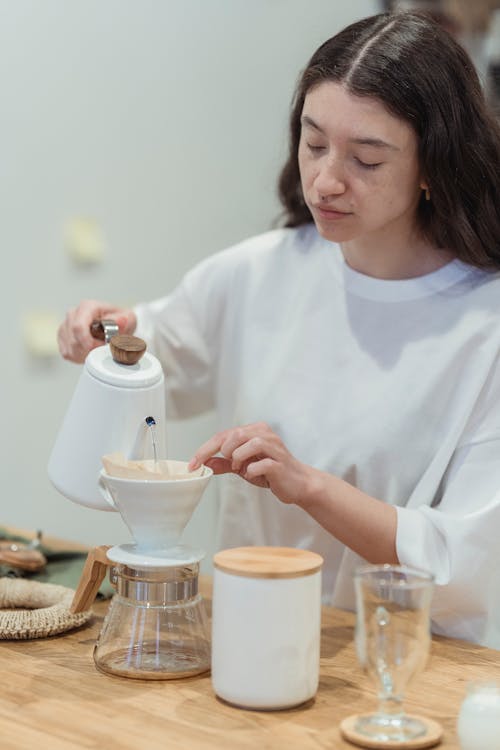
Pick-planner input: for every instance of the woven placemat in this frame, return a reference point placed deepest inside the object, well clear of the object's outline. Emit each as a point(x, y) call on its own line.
point(30, 609)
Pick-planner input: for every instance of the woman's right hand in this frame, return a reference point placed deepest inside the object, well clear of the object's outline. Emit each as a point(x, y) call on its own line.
point(74, 337)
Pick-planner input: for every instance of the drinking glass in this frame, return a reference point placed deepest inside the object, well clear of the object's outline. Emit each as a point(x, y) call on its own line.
point(478, 724)
point(392, 642)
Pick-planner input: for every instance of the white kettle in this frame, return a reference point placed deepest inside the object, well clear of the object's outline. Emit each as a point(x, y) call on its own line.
point(108, 413)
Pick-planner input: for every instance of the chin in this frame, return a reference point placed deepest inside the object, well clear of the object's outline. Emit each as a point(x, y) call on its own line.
point(336, 233)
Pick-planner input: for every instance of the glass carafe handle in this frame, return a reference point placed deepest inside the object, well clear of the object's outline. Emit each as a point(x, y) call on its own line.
point(93, 574)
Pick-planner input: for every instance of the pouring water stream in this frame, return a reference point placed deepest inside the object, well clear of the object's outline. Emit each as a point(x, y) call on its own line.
point(151, 424)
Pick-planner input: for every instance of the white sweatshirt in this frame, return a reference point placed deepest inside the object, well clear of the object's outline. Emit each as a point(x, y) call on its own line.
point(393, 386)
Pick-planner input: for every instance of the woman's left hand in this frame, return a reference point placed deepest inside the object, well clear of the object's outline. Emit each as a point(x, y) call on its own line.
point(363, 523)
point(256, 454)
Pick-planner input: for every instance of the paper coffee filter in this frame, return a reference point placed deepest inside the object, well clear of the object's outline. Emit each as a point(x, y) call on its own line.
point(116, 465)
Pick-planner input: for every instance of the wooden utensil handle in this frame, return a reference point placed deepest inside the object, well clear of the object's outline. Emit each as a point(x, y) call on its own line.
point(92, 576)
point(104, 329)
point(22, 556)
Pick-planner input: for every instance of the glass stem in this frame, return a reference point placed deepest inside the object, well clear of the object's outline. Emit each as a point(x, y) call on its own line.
point(390, 705)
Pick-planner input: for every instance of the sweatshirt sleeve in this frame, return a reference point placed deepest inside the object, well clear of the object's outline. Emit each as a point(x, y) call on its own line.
point(177, 331)
point(194, 330)
point(458, 541)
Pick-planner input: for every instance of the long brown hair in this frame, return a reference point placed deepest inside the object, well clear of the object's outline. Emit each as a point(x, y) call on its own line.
point(423, 76)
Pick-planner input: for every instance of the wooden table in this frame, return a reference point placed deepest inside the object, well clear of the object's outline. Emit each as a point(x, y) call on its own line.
point(51, 696)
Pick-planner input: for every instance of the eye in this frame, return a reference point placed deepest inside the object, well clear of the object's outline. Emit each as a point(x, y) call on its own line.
point(314, 147)
point(367, 165)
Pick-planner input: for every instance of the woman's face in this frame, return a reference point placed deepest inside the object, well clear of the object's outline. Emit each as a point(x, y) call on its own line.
point(358, 165)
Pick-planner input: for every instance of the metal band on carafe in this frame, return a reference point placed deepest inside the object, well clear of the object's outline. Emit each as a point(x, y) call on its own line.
point(156, 587)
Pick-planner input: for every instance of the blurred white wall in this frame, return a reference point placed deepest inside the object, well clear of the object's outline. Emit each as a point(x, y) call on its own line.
point(166, 122)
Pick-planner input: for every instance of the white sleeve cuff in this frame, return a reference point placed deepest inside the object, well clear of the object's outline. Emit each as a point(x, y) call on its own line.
point(421, 544)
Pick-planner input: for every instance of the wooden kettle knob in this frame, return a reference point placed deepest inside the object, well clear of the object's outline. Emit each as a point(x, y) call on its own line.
point(127, 350)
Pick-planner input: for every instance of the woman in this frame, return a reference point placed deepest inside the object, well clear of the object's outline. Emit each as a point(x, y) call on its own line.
point(351, 357)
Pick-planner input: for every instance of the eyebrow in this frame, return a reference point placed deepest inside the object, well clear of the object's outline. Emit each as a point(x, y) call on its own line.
point(377, 142)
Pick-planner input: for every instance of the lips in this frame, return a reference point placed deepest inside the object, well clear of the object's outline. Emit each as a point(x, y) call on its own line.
point(330, 213)
point(329, 209)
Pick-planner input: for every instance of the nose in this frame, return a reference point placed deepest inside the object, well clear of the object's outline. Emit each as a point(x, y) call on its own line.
point(330, 178)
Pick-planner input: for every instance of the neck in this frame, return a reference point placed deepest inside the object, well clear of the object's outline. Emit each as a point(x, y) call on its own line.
point(402, 255)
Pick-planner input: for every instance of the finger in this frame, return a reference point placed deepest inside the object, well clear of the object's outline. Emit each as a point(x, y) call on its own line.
point(260, 472)
point(251, 449)
point(69, 346)
point(74, 336)
point(240, 436)
point(207, 450)
point(226, 442)
point(80, 320)
point(126, 321)
point(219, 465)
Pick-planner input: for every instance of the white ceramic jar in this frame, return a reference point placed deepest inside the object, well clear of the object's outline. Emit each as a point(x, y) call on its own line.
point(266, 624)
point(478, 726)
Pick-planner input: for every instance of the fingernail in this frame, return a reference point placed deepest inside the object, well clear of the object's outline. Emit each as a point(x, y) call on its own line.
point(193, 464)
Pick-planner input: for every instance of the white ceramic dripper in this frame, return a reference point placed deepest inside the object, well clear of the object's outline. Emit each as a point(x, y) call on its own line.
point(156, 511)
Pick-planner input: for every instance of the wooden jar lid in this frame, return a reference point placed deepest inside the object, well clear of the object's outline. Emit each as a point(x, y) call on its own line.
point(268, 562)
point(127, 350)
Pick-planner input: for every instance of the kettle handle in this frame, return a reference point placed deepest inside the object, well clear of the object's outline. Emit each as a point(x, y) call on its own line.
point(104, 329)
